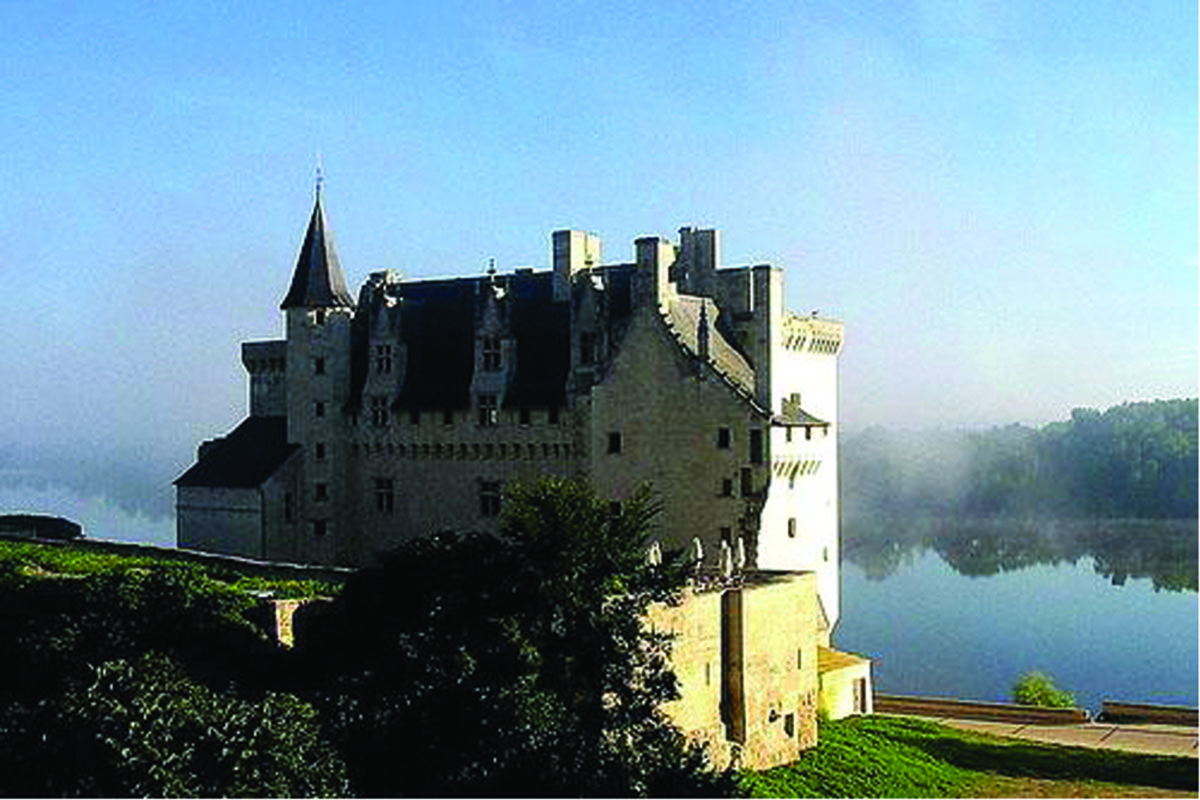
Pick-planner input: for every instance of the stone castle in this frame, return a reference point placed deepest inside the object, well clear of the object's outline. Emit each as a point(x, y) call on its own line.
point(409, 410)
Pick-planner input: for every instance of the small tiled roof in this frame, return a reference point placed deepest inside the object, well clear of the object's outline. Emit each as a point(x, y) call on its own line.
point(318, 281)
point(246, 458)
point(794, 415)
point(829, 660)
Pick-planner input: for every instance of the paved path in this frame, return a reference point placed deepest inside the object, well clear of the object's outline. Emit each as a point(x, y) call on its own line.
point(1174, 740)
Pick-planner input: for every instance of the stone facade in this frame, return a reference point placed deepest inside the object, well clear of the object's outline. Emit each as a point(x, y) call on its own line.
point(745, 655)
point(412, 408)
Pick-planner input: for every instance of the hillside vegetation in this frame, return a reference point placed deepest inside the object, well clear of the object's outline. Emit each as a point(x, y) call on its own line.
point(1136, 460)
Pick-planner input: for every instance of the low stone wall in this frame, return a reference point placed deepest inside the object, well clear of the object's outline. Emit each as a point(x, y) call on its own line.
point(967, 709)
point(1149, 714)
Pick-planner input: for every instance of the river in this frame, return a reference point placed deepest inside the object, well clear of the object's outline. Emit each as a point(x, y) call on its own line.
point(1108, 609)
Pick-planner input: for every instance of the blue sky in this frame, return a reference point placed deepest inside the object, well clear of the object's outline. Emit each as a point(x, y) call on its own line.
point(998, 198)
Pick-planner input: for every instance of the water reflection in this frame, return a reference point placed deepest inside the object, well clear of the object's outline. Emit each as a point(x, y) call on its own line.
point(1161, 550)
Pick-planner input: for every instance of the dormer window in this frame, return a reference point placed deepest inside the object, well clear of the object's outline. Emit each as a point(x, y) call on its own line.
point(489, 411)
point(491, 354)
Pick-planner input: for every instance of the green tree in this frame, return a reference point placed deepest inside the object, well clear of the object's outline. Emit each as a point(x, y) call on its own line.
point(1037, 689)
point(142, 728)
point(510, 664)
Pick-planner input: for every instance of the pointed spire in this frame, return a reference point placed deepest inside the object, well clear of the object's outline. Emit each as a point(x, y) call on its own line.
point(702, 331)
point(318, 281)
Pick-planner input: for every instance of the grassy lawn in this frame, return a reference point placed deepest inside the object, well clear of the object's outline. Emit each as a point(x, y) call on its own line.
point(31, 558)
point(897, 757)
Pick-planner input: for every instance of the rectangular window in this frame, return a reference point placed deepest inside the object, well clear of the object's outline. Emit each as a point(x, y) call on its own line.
point(319, 316)
point(808, 433)
point(756, 446)
point(489, 413)
point(791, 527)
point(319, 453)
point(723, 438)
point(383, 358)
point(788, 431)
point(726, 487)
point(321, 492)
point(318, 366)
point(320, 527)
point(385, 495)
point(491, 354)
point(379, 411)
point(524, 415)
point(319, 409)
point(414, 417)
point(447, 416)
point(552, 416)
point(747, 482)
point(289, 508)
point(614, 442)
point(489, 498)
point(789, 725)
point(587, 348)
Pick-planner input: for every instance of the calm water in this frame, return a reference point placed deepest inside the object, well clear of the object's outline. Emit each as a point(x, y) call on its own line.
point(933, 631)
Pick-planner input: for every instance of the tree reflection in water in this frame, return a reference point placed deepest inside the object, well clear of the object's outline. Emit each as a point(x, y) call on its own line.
point(1162, 550)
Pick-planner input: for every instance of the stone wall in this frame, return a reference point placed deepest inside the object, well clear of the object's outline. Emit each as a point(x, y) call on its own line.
point(745, 656)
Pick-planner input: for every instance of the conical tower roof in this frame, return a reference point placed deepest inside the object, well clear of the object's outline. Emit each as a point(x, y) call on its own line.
point(318, 281)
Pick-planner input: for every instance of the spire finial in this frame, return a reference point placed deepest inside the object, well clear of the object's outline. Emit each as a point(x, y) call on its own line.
point(491, 270)
point(320, 175)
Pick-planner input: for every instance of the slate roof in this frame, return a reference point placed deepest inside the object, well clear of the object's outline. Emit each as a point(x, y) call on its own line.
point(318, 281)
point(683, 315)
point(794, 415)
point(246, 458)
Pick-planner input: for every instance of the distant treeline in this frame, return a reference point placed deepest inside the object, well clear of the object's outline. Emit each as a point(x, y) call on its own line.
point(1136, 460)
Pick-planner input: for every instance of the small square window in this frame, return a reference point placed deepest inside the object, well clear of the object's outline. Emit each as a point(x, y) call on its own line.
point(321, 492)
point(319, 409)
point(614, 442)
point(385, 496)
point(319, 451)
point(320, 527)
point(724, 438)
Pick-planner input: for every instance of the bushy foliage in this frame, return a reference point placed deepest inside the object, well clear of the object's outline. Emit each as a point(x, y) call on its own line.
point(1037, 689)
point(57, 628)
point(510, 664)
point(142, 728)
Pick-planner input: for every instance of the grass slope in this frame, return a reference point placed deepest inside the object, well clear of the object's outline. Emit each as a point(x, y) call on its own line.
point(897, 757)
point(33, 558)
